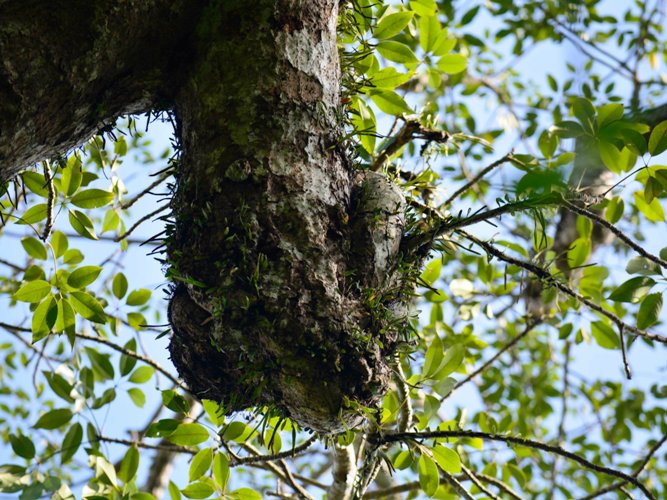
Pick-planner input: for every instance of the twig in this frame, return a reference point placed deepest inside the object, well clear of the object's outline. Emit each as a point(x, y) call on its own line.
point(275, 456)
point(51, 198)
point(457, 486)
point(133, 354)
point(530, 324)
point(476, 179)
point(146, 191)
point(404, 395)
point(11, 265)
point(475, 480)
point(121, 237)
point(620, 234)
point(635, 473)
point(412, 129)
point(624, 354)
point(563, 415)
point(141, 444)
point(528, 443)
point(551, 280)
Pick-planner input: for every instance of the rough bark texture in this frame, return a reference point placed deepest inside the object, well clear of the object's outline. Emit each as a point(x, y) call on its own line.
point(285, 256)
point(277, 241)
point(70, 67)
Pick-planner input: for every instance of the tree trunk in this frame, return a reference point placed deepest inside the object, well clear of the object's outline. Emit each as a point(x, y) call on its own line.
point(285, 257)
point(272, 239)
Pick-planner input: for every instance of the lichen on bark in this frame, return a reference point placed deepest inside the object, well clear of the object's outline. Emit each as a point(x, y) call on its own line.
point(278, 243)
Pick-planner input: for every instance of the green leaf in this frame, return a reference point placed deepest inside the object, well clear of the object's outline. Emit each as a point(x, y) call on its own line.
point(431, 272)
point(34, 248)
point(221, 470)
point(447, 459)
point(136, 320)
point(238, 432)
point(142, 374)
point(175, 402)
point(71, 177)
point(188, 435)
point(101, 364)
point(73, 257)
point(578, 253)
point(119, 286)
point(59, 243)
point(66, 316)
point(390, 102)
point(632, 290)
point(404, 460)
point(174, 492)
point(59, 385)
point(126, 362)
point(200, 464)
point(129, 465)
point(429, 29)
point(609, 113)
point(108, 396)
point(82, 224)
point(451, 361)
point(610, 156)
point(567, 129)
point(605, 335)
point(111, 220)
point(443, 43)
point(649, 310)
point(388, 78)
point(199, 489)
point(614, 210)
point(424, 7)
point(36, 183)
point(657, 142)
point(138, 297)
point(22, 446)
point(548, 143)
point(429, 479)
point(34, 214)
point(214, 411)
point(643, 266)
point(44, 318)
point(33, 291)
point(584, 110)
point(120, 146)
point(92, 198)
point(137, 396)
point(396, 52)
point(71, 442)
point(433, 357)
point(392, 24)
point(88, 307)
point(245, 494)
point(452, 63)
point(83, 276)
point(653, 210)
point(54, 419)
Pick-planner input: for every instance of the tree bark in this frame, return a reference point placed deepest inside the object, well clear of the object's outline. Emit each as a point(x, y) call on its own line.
point(286, 258)
point(278, 243)
point(69, 68)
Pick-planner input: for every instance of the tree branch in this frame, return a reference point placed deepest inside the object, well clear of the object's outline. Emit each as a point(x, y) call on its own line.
point(528, 443)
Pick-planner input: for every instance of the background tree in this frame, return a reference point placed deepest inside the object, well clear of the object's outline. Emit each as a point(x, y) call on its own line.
point(321, 154)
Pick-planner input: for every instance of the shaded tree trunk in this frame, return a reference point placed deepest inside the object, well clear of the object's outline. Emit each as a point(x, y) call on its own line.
point(287, 259)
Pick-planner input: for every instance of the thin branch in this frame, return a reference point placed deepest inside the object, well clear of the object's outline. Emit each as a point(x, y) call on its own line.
point(528, 443)
point(475, 480)
point(11, 265)
point(412, 129)
point(133, 354)
point(141, 444)
point(387, 492)
point(51, 198)
point(549, 279)
point(531, 323)
point(476, 179)
point(404, 396)
point(127, 204)
point(640, 468)
point(121, 237)
point(502, 486)
point(563, 415)
point(254, 459)
point(617, 232)
point(457, 486)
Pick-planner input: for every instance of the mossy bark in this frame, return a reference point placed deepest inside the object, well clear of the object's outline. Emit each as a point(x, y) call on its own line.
point(284, 255)
point(274, 309)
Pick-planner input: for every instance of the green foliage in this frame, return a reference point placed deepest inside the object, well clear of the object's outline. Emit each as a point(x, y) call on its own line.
point(82, 340)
